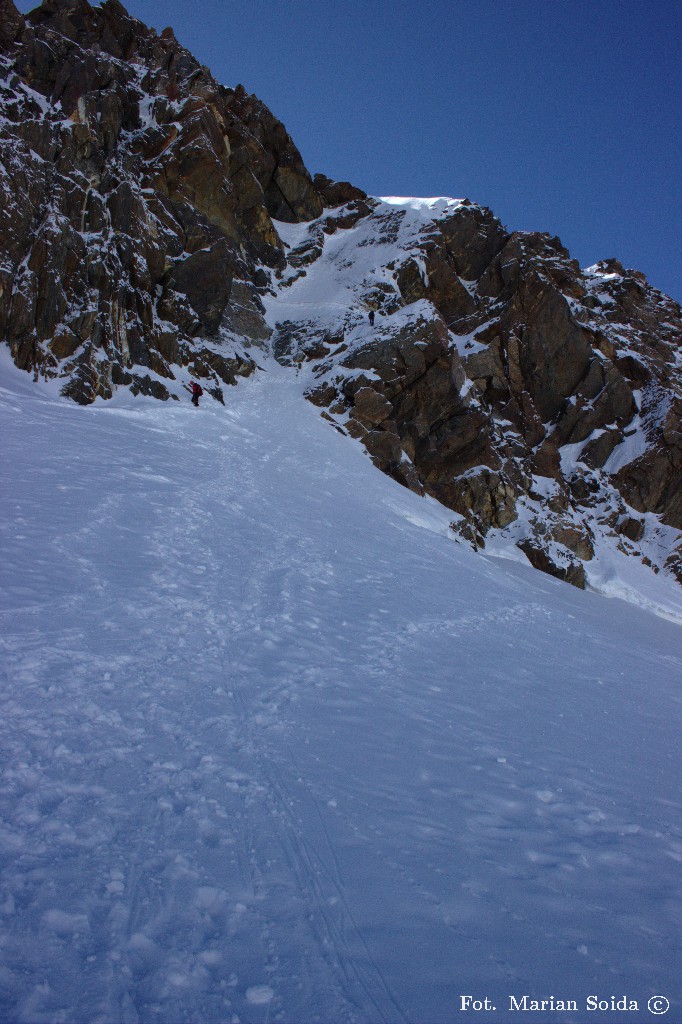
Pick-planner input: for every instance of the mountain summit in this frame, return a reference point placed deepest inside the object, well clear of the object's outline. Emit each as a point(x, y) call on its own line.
point(158, 227)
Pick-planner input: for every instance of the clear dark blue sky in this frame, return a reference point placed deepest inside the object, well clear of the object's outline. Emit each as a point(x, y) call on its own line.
point(561, 115)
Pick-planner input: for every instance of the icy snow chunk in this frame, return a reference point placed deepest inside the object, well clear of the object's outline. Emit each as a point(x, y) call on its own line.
point(259, 995)
point(434, 204)
point(544, 486)
point(545, 796)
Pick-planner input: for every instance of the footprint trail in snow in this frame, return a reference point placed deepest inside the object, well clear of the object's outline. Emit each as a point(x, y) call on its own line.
point(275, 748)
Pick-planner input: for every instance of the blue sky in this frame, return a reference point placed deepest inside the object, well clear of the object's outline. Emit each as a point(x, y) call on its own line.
point(561, 116)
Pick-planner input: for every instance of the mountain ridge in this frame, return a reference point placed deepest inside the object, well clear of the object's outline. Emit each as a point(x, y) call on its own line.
point(160, 227)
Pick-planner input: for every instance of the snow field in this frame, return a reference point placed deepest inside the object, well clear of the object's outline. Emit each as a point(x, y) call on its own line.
point(275, 748)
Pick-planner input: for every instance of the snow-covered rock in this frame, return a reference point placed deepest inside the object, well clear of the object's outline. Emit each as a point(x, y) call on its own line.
point(513, 396)
point(136, 196)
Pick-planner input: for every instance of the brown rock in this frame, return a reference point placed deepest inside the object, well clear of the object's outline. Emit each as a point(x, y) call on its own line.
point(383, 446)
point(323, 395)
point(370, 407)
point(567, 569)
point(554, 351)
point(356, 429)
point(473, 237)
point(630, 527)
point(337, 193)
point(596, 453)
point(575, 538)
point(486, 497)
point(436, 282)
point(64, 344)
point(206, 279)
point(546, 461)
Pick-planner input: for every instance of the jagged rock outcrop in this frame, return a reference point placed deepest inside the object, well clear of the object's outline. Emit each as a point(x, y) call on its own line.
point(136, 203)
point(532, 398)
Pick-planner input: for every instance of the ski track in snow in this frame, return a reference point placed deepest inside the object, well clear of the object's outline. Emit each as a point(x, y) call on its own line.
point(274, 748)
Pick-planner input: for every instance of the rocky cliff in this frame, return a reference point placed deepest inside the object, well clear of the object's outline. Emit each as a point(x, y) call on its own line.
point(136, 203)
point(157, 226)
point(540, 402)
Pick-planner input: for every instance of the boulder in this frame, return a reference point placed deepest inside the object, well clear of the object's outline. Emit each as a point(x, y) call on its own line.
point(337, 193)
point(554, 562)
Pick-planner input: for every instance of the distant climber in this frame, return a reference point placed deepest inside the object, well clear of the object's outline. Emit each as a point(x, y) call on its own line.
point(197, 392)
point(371, 318)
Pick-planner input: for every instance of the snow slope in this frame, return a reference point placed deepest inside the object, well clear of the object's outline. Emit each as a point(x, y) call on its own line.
point(275, 748)
point(351, 265)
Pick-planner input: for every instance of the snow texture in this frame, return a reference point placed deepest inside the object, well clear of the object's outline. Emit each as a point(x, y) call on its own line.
point(276, 748)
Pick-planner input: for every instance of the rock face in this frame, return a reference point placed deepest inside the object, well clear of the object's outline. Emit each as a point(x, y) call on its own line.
point(158, 226)
point(539, 402)
point(136, 204)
